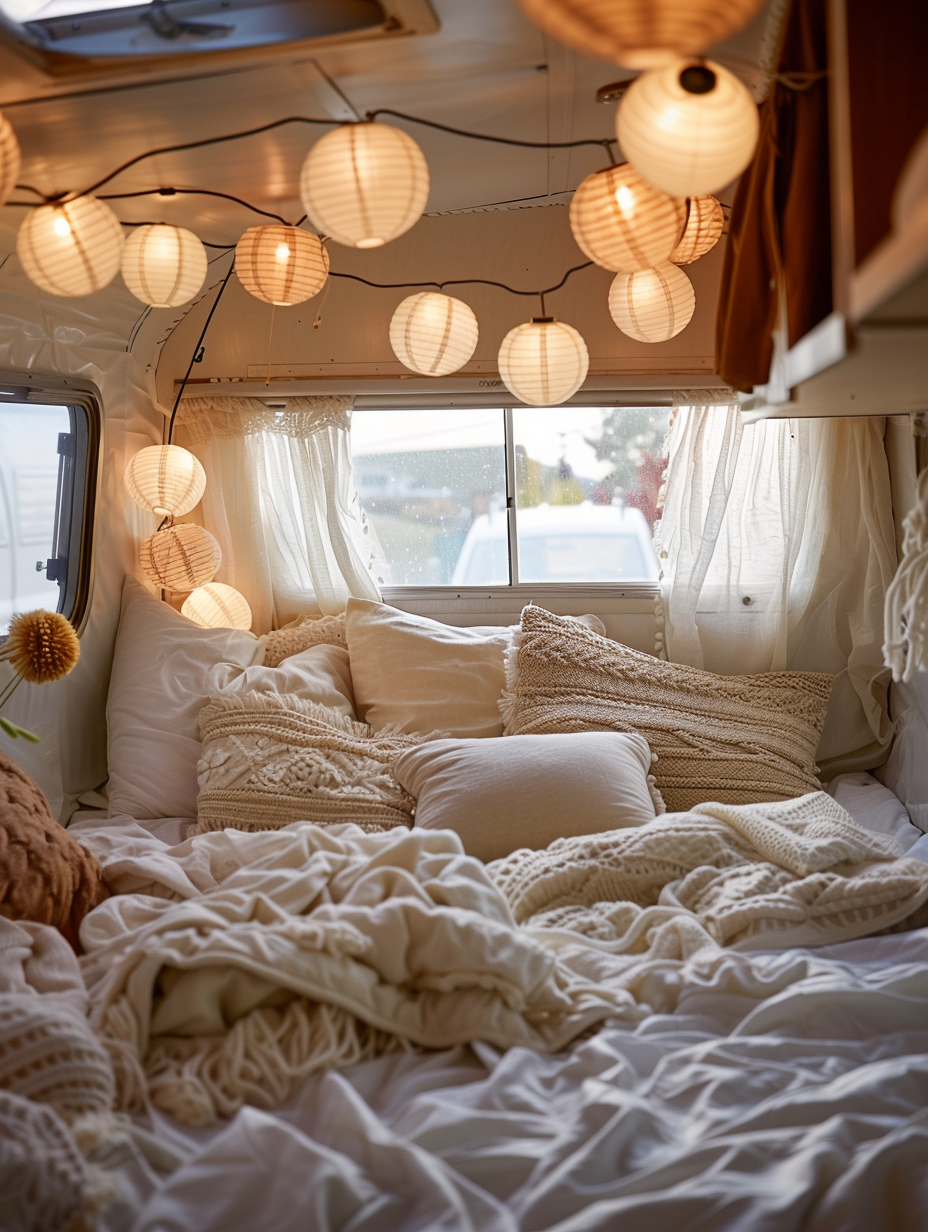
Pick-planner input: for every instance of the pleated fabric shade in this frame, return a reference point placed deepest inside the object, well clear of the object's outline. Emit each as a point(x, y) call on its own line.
point(703, 230)
point(688, 129)
point(163, 266)
point(217, 606)
point(433, 334)
point(281, 265)
point(622, 223)
point(640, 33)
point(364, 184)
point(165, 479)
point(71, 247)
point(652, 305)
point(9, 159)
point(181, 557)
point(543, 362)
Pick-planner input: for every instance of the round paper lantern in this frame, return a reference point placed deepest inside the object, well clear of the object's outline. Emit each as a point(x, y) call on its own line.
point(543, 362)
point(688, 129)
point(622, 223)
point(165, 480)
point(70, 247)
point(652, 305)
point(433, 334)
point(9, 159)
point(181, 557)
point(281, 265)
point(364, 184)
point(217, 606)
point(702, 231)
point(163, 266)
point(641, 33)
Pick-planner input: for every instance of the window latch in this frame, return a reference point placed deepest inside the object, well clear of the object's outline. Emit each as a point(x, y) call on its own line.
point(56, 569)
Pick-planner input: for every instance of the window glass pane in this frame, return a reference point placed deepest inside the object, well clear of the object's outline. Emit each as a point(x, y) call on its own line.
point(587, 482)
point(428, 480)
point(29, 469)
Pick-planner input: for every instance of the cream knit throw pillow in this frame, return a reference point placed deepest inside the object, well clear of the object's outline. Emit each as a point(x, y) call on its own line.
point(731, 739)
point(310, 631)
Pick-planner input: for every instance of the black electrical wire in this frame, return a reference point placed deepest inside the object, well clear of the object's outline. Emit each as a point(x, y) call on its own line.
point(196, 351)
point(607, 142)
point(191, 192)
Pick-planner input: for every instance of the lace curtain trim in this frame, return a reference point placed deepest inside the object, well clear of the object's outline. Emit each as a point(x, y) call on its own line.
point(206, 419)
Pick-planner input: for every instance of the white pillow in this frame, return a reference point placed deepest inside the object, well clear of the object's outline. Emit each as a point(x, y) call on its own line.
point(526, 791)
point(319, 674)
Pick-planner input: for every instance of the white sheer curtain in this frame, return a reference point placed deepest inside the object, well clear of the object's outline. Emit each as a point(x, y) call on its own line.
point(280, 498)
point(776, 545)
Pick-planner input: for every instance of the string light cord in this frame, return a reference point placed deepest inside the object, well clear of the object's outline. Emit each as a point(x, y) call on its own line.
point(196, 351)
point(605, 142)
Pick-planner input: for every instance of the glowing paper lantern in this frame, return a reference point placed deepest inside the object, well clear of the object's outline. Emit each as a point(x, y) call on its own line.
point(163, 266)
point(433, 334)
point(165, 480)
point(364, 184)
point(70, 247)
point(181, 557)
point(281, 265)
point(217, 606)
point(702, 232)
point(622, 223)
point(652, 305)
point(688, 129)
point(641, 33)
point(543, 362)
point(9, 159)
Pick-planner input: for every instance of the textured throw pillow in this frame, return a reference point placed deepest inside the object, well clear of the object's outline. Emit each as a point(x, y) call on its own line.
point(731, 739)
point(300, 634)
point(45, 875)
point(268, 760)
point(500, 795)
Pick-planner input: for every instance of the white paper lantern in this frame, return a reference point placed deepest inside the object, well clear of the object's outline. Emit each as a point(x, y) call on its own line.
point(622, 223)
point(364, 184)
point(165, 480)
point(163, 266)
point(652, 305)
point(281, 265)
point(71, 247)
point(433, 334)
point(641, 33)
point(543, 362)
point(9, 159)
point(688, 129)
point(704, 225)
point(181, 557)
point(217, 606)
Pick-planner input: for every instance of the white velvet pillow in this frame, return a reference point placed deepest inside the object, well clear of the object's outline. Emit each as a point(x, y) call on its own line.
point(526, 791)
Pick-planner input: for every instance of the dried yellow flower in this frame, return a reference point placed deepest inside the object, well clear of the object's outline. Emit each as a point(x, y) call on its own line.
point(41, 646)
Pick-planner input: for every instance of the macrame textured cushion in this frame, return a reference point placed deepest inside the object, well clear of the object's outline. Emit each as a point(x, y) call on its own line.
point(271, 759)
point(731, 739)
point(311, 631)
point(43, 1177)
point(44, 874)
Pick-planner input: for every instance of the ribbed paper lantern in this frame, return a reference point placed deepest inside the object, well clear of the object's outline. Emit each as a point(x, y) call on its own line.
point(622, 223)
point(433, 334)
point(652, 305)
point(9, 159)
point(163, 266)
point(364, 184)
point(702, 232)
point(217, 606)
point(688, 129)
point(71, 247)
point(543, 362)
point(181, 557)
point(281, 265)
point(641, 33)
point(165, 479)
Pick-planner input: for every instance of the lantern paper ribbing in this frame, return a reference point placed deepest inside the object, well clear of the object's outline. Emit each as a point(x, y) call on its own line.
point(433, 334)
point(165, 480)
point(9, 159)
point(364, 184)
point(652, 305)
point(281, 265)
point(702, 232)
point(543, 362)
point(181, 557)
point(71, 247)
point(163, 266)
point(688, 141)
point(640, 33)
point(217, 606)
point(622, 223)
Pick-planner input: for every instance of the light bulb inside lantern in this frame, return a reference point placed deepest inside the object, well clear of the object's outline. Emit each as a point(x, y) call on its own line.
point(543, 362)
point(283, 253)
point(61, 225)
